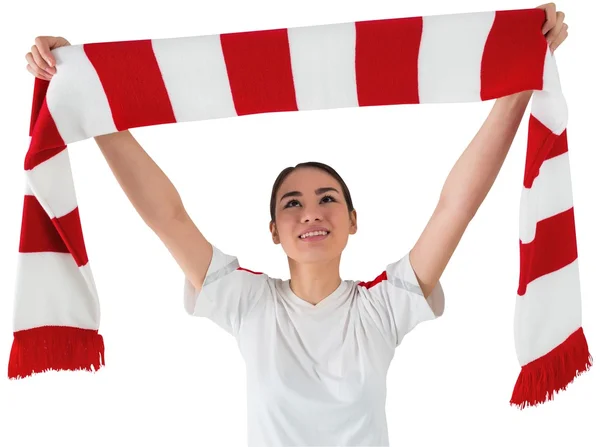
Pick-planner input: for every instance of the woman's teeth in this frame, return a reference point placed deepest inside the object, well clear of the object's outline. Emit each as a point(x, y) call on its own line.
point(314, 233)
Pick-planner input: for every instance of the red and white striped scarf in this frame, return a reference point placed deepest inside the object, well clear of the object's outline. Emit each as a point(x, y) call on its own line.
point(102, 88)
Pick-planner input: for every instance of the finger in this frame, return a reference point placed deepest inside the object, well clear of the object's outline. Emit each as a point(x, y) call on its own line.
point(44, 43)
point(39, 60)
point(551, 36)
point(560, 38)
point(550, 9)
point(35, 70)
point(32, 71)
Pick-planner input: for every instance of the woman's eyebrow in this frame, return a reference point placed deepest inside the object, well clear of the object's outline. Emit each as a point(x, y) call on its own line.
point(317, 192)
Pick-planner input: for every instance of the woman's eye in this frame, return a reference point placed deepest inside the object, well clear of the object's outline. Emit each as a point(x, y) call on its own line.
point(289, 204)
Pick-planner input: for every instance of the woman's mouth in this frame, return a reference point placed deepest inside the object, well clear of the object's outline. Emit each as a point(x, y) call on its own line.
point(313, 236)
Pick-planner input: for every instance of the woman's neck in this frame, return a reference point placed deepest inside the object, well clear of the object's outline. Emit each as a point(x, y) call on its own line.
point(315, 281)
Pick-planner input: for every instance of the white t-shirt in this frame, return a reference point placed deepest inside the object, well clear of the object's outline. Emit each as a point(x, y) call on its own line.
point(316, 374)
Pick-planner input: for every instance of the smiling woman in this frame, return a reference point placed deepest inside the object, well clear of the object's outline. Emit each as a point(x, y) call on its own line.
point(329, 340)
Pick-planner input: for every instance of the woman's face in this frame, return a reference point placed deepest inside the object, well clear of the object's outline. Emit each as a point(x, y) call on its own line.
point(310, 197)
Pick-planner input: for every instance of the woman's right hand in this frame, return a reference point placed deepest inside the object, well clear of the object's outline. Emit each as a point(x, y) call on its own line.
point(41, 63)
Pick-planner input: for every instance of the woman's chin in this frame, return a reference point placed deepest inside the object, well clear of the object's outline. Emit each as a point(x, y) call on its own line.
point(311, 253)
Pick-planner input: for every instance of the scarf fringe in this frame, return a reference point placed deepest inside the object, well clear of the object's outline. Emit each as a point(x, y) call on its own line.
point(541, 379)
point(55, 348)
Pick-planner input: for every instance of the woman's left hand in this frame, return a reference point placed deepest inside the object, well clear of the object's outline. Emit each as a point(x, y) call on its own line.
point(554, 28)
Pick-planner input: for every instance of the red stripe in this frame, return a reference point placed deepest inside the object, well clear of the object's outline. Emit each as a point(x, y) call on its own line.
point(69, 227)
point(542, 144)
point(46, 142)
point(249, 271)
point(369, 284)
point(559, 147)
point(514, 54)
point(259, 67)
point(387, 54)
point(38, 233)
point(554, 247)
point(132, 82)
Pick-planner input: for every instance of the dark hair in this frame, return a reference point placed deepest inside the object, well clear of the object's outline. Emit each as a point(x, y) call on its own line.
point(309, 164)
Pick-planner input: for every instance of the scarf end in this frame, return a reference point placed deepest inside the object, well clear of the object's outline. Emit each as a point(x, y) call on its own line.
point(57, 348)
point(542, 378)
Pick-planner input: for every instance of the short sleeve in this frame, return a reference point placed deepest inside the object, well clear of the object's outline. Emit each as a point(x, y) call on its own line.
point(397, 299)
point(228, 293)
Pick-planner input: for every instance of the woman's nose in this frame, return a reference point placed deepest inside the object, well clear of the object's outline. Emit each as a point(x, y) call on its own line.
point(312, 214)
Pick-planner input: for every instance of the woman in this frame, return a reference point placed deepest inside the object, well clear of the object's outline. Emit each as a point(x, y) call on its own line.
point(317, 348)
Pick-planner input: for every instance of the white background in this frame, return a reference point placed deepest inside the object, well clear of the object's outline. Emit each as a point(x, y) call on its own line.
point(175, 380)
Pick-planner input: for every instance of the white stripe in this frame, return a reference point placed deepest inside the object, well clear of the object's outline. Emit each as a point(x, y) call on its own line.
point(548, 313)
point(52, 183)
point(323, 66)
point(450, 56)
point(76, 98)
point(28, 190)
point(549, 195)
point(549, 106)
point(51, 290)
point(88, 277)
point(195, 76)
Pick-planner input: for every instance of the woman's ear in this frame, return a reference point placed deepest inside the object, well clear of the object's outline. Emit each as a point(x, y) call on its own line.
point(273, 230)
point(353, 222)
